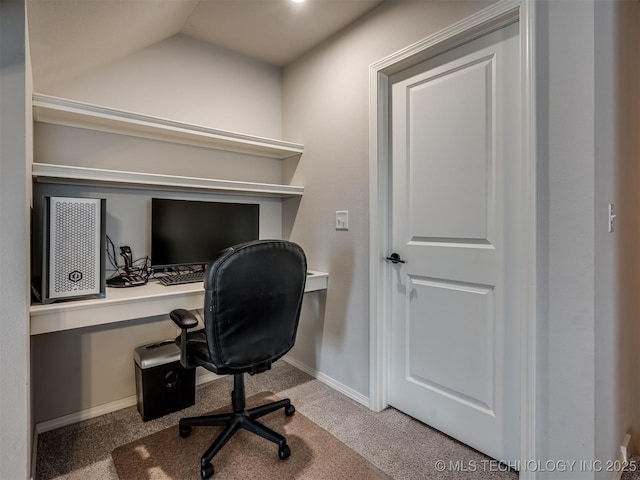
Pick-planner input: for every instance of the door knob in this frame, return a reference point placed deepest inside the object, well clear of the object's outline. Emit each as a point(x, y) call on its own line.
point(395, 258)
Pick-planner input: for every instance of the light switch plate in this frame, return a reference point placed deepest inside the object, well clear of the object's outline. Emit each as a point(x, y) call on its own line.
point(342, 220)
point(612, 217)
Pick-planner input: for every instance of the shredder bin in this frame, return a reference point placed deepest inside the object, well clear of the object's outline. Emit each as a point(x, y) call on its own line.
point(163, 386)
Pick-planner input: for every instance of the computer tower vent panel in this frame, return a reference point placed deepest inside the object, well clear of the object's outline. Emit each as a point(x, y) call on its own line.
point(73, 256)
point(75, 235)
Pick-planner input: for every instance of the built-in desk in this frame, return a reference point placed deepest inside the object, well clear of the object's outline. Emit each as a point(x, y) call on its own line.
point(123, 304)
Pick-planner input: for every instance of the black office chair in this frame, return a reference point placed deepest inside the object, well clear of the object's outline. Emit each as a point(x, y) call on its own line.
point(253, 295)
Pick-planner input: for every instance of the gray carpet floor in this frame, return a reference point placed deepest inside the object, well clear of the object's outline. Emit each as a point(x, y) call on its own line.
point(400, 446)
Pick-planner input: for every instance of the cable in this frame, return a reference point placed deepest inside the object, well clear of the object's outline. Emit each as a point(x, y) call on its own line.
point(142, 266)
point(143, 270)
point(111, 255)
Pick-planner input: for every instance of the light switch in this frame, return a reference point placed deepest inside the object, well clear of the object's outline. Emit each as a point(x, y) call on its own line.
point(612, 217)
point(342, 220)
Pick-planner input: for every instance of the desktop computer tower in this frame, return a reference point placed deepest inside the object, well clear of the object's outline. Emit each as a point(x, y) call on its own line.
point(69, 251)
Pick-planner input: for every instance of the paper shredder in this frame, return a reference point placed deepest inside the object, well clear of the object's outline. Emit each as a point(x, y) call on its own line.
point(163, 386)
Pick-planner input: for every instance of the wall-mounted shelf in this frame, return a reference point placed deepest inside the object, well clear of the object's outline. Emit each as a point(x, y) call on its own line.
point(123, 304)
point(61, 111)
point(151, 299)
point(44, 172)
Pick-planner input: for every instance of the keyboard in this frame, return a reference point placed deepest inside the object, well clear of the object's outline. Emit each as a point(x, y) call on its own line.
point(180, 278)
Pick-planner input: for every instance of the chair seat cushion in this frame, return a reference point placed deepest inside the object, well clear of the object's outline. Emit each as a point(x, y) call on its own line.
point(198, 355)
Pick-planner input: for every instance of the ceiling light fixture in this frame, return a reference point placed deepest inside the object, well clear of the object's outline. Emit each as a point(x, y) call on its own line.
point(297, 1)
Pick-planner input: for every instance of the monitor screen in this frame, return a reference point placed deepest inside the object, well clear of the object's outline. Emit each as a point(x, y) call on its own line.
point(188, 232)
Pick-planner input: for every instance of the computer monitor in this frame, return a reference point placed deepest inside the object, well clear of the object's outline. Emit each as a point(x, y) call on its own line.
point(189, 232)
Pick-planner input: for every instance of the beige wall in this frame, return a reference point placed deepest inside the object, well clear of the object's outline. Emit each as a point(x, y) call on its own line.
point(627, 101)
point(587, 101)
point(15, 441)
point(190, 81)
point(326, 107)
point(617, 262)
point(566, 229)
point(88, 367)
point(61, 145)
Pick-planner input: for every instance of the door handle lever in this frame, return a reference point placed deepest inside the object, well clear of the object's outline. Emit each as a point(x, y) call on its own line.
point(395, 258)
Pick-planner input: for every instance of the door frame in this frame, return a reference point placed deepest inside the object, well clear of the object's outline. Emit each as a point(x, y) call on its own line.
point(490, 19)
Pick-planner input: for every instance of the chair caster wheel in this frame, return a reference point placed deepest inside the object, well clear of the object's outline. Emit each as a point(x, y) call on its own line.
point(206, 471)
point(284, 452)
point(185, 431)
point(289, 410)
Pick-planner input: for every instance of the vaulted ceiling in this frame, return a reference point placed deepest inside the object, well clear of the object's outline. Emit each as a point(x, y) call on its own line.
point(71, 37)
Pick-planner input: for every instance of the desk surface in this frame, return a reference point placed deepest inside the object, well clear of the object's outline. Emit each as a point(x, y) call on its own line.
point(123, 304)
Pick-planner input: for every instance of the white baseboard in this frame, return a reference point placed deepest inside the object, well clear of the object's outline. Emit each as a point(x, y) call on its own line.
point(200, 379)
point(34, 454)
point(340, 387)
point(85, 414)
point(103, 409)
point(622, 459)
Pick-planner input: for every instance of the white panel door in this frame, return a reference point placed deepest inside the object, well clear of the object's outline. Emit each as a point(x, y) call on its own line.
point(455, 196)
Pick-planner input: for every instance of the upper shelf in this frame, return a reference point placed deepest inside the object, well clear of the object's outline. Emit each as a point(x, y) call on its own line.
point(61, 111)
point(44, 172)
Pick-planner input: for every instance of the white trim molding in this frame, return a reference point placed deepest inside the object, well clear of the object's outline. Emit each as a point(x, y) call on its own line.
point(490, 19)
point(327, 380)
point(85, 414)
point(99, 410)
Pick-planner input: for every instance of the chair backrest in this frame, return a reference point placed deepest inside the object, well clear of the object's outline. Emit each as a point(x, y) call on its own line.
point(253, 296)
